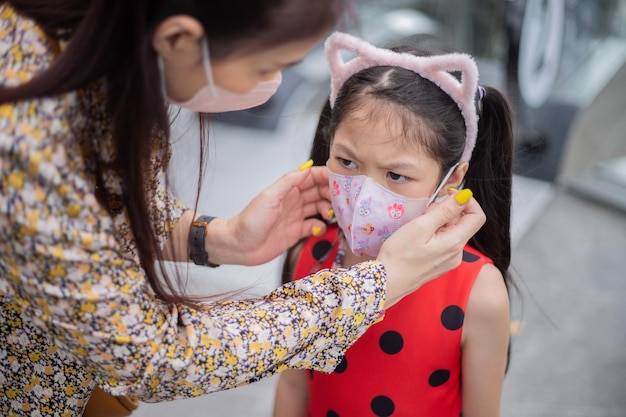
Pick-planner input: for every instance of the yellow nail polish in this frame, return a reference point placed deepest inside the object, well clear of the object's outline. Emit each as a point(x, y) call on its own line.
point(317, 231)
point(331, 213)
point(452, 189)
point(308, 164)
point(464, 196)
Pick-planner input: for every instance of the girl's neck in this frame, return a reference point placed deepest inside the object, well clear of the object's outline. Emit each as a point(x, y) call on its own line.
point(351, 259)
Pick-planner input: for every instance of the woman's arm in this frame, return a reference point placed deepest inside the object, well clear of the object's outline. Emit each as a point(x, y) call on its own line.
point(292, 394)
point(69, 269)
point(484, 344)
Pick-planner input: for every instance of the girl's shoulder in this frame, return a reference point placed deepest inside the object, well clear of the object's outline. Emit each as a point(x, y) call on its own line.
point(489, 295)
point(488, 308)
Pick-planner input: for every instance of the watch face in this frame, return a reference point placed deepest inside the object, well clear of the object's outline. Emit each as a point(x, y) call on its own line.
point(197, 238)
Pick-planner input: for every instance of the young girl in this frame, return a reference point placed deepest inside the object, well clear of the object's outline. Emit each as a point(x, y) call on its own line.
point(402, 127)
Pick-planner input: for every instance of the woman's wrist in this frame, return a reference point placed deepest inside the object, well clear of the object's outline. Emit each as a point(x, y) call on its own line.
point(220, 243)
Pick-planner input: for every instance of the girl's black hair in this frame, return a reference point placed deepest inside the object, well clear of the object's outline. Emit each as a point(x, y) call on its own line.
point(431, 117)
point(110, 41)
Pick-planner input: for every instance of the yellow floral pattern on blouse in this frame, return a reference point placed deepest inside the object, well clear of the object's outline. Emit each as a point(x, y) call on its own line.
point(76, 308)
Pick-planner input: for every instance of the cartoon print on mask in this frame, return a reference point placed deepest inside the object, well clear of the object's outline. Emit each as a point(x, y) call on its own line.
point(367, 228)
point(384, 234)
point(336, 191)
point(347, 184)
point(396, 211)
point(365, 209)
point(364, 245)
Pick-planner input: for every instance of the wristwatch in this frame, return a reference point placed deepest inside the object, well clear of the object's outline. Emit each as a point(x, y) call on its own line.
point(197, 238)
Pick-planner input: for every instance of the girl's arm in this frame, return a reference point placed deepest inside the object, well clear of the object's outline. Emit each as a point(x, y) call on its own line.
point(292, 395)
point(484, 344)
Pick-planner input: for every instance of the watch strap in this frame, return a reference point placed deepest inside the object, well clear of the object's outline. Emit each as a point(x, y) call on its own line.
point(197, 241)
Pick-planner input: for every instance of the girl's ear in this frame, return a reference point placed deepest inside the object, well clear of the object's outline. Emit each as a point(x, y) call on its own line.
point(457, 176)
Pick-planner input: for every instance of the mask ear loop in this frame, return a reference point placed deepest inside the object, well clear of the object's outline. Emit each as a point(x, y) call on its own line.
point(443, 181)
point(206, 62)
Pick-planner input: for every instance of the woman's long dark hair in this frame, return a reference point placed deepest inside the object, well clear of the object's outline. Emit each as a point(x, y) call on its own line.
point(110, 40)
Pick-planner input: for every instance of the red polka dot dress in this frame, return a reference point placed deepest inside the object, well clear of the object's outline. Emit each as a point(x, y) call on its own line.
point(408, 364)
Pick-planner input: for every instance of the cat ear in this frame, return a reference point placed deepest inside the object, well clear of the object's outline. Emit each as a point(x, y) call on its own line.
point(438, 69)
point(341, 70)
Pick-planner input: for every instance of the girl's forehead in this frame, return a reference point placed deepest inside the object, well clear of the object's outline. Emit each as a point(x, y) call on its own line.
point(373, 141)
point(380, 122)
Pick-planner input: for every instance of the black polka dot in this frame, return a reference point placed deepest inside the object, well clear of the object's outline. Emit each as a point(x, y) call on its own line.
point(320, 249)
point(382, 406)
point(439, 377)
point(452, 317)
point(343, 365)
point(470, 257)
point(391, 342)
point(331, 413)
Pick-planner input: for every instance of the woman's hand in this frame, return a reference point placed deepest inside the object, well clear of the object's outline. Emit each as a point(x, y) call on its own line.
point(274, 220)
point(430, 245)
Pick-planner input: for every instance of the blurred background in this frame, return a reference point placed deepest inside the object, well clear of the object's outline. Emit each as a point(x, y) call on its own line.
point(563, 64)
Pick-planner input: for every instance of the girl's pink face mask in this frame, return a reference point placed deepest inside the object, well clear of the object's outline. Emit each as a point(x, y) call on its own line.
point(369, 213)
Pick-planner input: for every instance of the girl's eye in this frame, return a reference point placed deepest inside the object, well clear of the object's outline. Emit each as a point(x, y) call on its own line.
point(346, 163)
point(397, 177)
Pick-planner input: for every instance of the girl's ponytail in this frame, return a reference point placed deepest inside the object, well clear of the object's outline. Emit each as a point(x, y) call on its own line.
point(489, 177)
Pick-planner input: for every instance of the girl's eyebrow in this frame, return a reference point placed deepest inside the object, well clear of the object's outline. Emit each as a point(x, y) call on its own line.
point(346, 150)
point(401, 166)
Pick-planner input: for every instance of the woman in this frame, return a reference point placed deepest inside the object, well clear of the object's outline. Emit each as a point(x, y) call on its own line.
point(84, 215)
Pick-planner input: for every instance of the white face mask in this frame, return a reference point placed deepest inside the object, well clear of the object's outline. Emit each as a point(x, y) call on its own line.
point(368, 213)
point(214, 99)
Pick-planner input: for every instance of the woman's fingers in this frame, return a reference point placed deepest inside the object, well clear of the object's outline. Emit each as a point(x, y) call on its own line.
point(464, 217)
point(312, 227)
point(285, 184)
point(321, 207)
point(430, 245)
point(312, 184)
point(451, 214)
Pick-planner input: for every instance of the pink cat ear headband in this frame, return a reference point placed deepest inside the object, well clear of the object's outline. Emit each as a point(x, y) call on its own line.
point(436, 68)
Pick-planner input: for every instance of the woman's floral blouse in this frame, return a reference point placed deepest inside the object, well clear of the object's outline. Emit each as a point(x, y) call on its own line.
point(75, 304)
